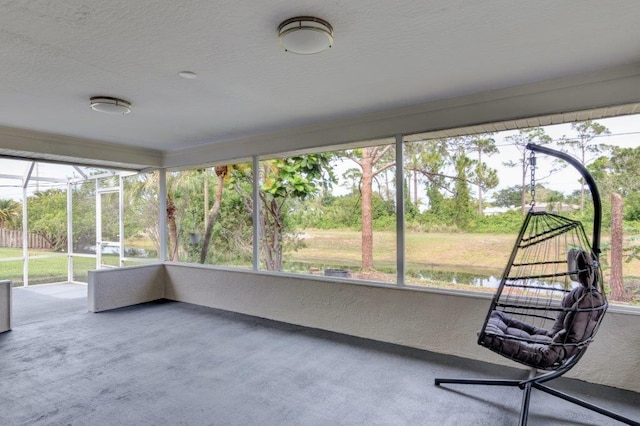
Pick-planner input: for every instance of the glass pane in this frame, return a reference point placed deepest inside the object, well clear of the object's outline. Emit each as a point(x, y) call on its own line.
point(447, 180)
point(12, 269)
point(466, 197)
point(228, 218)
point(84, 217)
point(141, 232)
point(109, 259)
point(47, 220)
point(110, 215)
point(331, 213)
point(48, 270)
point(216, 201)
point(184, 213)
point(11, 230)
point(81, 267)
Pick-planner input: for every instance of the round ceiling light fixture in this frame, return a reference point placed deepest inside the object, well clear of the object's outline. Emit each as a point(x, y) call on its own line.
point(305, 35)
point(110, 105)
point(188, 75)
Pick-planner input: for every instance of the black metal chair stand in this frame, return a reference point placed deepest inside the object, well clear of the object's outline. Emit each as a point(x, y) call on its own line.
point(536, 382)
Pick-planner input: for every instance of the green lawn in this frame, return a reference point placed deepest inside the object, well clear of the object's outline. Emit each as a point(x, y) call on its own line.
point(482, 253)
point(468, 252)
point(47, 270)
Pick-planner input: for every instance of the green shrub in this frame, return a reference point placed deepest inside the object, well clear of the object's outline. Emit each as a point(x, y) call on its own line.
point(508, 222)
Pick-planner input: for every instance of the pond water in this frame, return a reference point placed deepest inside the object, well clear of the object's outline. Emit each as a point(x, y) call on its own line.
point(413, 275)
point(468, 278)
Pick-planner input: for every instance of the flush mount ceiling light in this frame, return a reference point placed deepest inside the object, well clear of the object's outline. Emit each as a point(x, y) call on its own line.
point(188, 75)
point(110, 105)
point(305, 35)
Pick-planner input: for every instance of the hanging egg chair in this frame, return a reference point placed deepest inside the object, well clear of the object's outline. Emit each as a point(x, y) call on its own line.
point(550, 300)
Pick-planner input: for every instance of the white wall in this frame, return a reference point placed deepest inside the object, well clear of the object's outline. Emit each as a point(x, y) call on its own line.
point(5, 306)
point(119, 287)
point(443, 322)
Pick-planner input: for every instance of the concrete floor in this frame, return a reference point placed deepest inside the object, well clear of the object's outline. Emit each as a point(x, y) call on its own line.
point(173, 363)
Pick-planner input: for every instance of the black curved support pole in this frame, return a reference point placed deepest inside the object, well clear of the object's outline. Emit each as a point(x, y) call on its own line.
point(595, 194)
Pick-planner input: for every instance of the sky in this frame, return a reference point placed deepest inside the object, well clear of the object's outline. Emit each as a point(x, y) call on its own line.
point(625, 132)
point(12, 188)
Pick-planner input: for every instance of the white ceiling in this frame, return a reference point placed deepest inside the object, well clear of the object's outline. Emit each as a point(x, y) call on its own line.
point(55, 55)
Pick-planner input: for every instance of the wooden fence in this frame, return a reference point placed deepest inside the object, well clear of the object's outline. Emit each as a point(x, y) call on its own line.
point(13, 238)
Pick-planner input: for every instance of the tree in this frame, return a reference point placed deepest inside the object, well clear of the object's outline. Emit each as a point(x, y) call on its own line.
point(429, 159)
point(508, 197)
point(462, 197)
point(221, 173)
point(485, 177)
point(182, 189)
point(464, 167)
point(141, 206)
point(535, 135)
point(83, 200)
point(10, 212)
point(372, 161)
point(48, 217)
point(413, 156)
point(615, 278)
point(618, 172)
point(283, 180)
point(582, 148)
point(623, 171)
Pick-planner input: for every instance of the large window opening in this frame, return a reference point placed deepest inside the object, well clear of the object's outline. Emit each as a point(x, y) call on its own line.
point(331, 213)
point(57, 221)
point(468, 193)
point(209, 215)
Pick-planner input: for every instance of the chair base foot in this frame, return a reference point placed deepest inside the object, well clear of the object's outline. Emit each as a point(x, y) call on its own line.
point(527, 385)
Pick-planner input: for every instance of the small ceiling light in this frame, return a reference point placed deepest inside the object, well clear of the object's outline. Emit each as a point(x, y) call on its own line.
point(305, 35)
point(110, 105)
point(189, 75)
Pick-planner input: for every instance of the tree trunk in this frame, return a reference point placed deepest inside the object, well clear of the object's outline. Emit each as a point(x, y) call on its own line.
point(615, 280)
point(271, 228)
point(367, 215)
point(265, 245)
point(415, 189)
point(206, 198)
point(221, 172)
point(523, 190)
point(582, 182)
point(173, 229)
point(582, 191)
point(480, 210)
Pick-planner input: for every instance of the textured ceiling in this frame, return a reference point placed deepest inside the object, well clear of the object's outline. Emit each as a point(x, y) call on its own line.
point(55, 55)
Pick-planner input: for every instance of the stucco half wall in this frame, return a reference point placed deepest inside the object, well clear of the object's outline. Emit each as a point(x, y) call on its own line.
point(438, 321)
point(120, 287)
point(5, 305)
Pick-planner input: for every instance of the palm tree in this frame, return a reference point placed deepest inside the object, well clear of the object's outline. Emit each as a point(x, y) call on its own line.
point(9, 213)
point(149, 183)
point(221, 173)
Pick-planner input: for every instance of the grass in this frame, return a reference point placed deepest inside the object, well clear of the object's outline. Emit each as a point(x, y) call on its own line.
point(485, 254)
point(48, 269)
point(457, 252)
